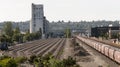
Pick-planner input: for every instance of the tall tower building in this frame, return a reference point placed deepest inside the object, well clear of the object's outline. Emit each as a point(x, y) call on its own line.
point(37, 18)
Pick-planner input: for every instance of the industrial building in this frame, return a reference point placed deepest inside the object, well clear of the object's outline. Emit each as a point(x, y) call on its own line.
point(38, 21)
point(105, 31)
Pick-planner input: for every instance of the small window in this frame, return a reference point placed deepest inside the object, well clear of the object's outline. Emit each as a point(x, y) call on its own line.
point(34, 15)
point(34, 25)
point(34, 19)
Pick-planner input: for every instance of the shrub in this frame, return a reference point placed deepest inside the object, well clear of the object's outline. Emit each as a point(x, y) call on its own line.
point(32, 58)
point(69, 61)
point(11, 63)
point(4, 57)
point(20, 59)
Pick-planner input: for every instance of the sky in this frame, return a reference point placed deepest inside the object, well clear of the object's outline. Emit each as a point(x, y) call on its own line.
point(54, 10)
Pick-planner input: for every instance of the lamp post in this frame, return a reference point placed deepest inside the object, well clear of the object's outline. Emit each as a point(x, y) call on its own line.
point(110, 30)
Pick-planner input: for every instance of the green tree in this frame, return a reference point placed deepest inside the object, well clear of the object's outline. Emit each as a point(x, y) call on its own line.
point(38, 35)
point(67, 33)
point(26, 36)
point(116, 35)
point(8, 29)
point(2, 38)
point(17, 35)
point(17, 30)
point(8, 32)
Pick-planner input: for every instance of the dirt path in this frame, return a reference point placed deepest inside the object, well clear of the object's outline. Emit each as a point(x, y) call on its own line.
point(68, 50)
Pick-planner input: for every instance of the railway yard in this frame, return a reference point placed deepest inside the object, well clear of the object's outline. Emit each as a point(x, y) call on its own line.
point(61, 48)
point(37, 47)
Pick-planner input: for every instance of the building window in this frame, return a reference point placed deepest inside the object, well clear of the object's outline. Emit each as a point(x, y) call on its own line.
point(34, 19)
point(34, 15)
point(34, 25)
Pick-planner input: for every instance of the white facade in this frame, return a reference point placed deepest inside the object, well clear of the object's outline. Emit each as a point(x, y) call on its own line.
point(37, 18)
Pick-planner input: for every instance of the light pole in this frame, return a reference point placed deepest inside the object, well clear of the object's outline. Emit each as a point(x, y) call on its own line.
point(110, 30)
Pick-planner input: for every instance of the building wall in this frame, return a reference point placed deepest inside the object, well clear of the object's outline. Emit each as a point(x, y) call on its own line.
point(46, 27)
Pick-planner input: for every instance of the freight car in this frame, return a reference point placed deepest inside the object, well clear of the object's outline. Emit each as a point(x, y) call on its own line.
point(4, 46)
point(109, 51)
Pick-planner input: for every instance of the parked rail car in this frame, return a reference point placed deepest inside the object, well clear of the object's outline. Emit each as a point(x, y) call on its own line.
point(4, 46)
point(106, 51)
point(117, 56)
point(109, 51)
point(100, 46)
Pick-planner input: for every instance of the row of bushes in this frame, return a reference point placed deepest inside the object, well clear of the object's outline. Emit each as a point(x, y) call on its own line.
point(50, 61)
point(38, 61)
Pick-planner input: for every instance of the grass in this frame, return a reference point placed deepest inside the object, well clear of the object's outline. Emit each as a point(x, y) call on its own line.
point(4, 62)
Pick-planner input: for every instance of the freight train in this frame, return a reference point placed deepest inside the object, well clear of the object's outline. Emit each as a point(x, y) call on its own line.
point(109, 51)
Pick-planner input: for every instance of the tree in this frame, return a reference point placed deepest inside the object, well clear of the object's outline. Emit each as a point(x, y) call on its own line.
point(116, 35)
point(8, 32)
point(2, 38)
point(17, 30)
point(8, 29)
point(27, 36)
point(40, 32)
point(38, 35)
point(67, 33)
point(17, 35)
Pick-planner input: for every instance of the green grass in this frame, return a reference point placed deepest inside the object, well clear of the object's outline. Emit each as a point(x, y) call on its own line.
point(4, 62)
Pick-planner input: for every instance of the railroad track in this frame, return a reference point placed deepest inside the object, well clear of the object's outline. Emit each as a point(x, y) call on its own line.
point(27, 50)
point(53, 48)
point(40, 52)
point(18, 50)
point(109, 51)
point(37, 47)
point(57, 52)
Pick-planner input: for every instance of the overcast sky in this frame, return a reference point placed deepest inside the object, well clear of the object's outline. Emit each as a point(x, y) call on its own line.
point(54, 10)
